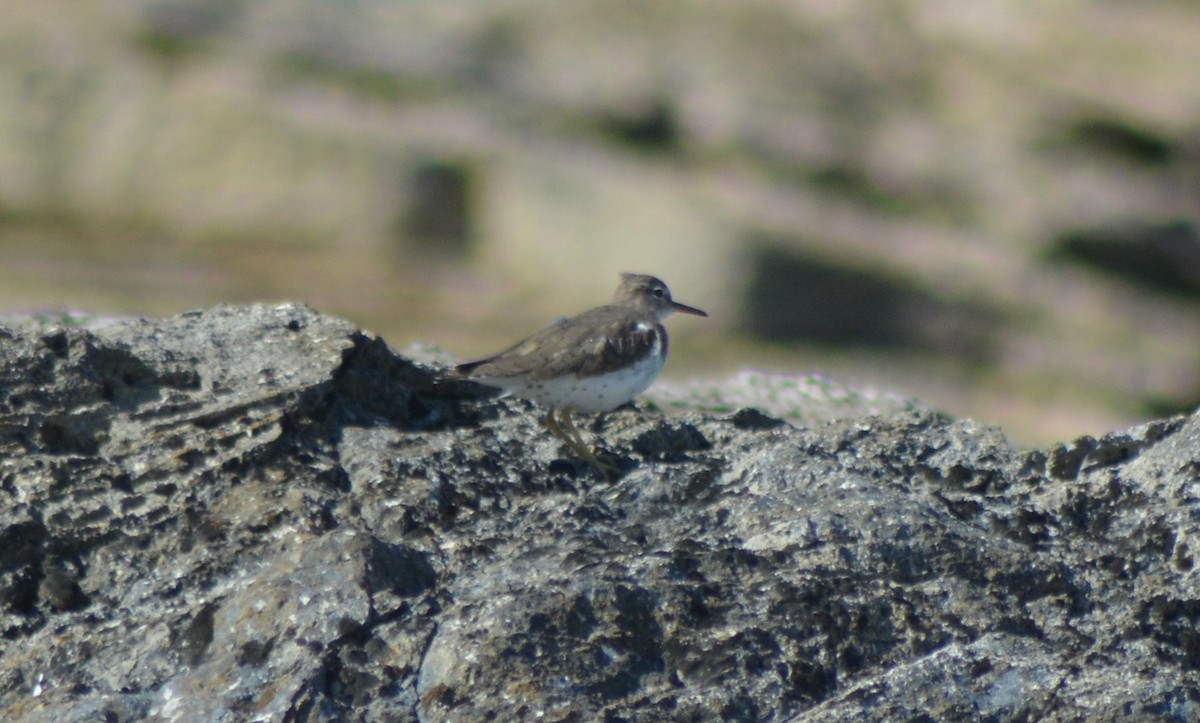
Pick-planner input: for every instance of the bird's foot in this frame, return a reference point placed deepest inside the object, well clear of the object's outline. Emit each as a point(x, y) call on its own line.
point(610, 470)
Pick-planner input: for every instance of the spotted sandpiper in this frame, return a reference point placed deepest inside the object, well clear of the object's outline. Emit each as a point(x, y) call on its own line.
point(589, 363)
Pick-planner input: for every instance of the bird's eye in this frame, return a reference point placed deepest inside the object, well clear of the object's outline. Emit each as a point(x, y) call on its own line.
point(658, 293)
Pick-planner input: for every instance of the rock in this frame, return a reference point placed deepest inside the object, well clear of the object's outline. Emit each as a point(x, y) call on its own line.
point(262, 513)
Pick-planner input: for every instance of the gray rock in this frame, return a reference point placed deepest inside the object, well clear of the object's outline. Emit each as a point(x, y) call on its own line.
point(262, 513)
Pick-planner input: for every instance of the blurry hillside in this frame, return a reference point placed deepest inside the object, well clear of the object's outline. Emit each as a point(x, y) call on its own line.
point(989, 205)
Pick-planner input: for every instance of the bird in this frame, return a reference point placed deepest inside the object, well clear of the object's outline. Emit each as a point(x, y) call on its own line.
point(590, 363)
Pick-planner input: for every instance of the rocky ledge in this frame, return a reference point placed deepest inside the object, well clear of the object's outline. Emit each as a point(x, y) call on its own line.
point(263, 513)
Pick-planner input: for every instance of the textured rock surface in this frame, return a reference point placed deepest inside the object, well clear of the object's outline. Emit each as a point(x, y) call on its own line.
point(263, 513)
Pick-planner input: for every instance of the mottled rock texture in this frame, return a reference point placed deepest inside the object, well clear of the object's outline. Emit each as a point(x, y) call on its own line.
point(263, 513)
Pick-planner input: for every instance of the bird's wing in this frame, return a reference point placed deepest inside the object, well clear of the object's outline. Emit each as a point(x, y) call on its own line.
point(625, 342)
point(513, 360)
point(580, 345)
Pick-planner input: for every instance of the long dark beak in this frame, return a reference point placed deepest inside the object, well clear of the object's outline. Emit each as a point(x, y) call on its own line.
point(685, 309)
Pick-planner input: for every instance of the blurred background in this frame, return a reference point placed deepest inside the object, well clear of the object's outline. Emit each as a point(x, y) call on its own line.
point(991, 206)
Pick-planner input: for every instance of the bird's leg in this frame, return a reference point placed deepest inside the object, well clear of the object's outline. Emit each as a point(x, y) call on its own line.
point(572, 440)
point(569, 434)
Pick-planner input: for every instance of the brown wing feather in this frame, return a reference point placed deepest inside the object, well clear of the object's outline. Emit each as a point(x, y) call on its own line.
point(510, 362)
point(582, 345)
point(621, 349)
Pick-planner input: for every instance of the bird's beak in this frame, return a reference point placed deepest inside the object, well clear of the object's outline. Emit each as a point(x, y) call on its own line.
point(685, 309)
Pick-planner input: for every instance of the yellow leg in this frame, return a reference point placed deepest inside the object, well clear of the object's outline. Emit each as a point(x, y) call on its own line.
point(567, 432)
